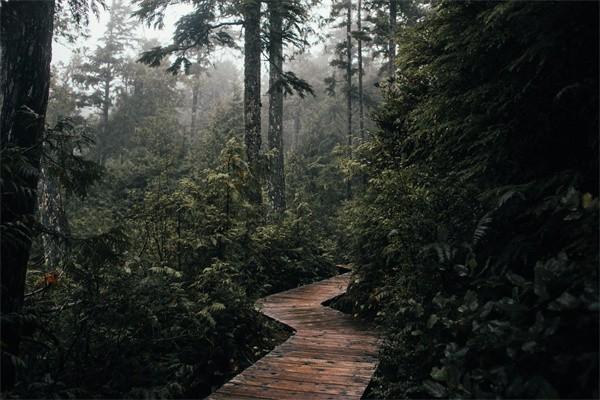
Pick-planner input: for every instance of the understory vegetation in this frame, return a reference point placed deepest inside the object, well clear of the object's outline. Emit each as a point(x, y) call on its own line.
point(160, 274)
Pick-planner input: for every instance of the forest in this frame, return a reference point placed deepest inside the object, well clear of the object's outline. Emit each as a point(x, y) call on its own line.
point(174, 172)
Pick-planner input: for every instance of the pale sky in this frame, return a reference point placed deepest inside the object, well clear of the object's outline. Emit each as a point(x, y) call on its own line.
point(61, 51)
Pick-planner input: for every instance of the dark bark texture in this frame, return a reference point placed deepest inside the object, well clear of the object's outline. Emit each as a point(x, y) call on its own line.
point(26, 46)
point(361, 112)
point(392, 38)
point(51, 208)
point(349, 87)
point(106, 102)
point(275, 134)
point(252, 53)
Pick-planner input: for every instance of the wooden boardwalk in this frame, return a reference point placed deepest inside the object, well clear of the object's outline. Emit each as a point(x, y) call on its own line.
point(331, 355)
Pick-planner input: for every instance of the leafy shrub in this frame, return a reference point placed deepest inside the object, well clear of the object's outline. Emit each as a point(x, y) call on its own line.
point(177, 336)
point(288, 253)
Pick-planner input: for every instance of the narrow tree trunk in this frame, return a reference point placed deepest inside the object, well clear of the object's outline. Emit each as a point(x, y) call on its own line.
point(52, 217)
point(195, 92)
point(361, 98)
point(297, 128)
point(252, 94)
point(392, 38)
point(26, 51)
point(276, 176)
point(106, 103)
point(361, 114)
point(105, 110)
point(349, 87)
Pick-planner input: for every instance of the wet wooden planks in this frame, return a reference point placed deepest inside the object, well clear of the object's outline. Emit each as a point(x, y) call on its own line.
point(330, 356)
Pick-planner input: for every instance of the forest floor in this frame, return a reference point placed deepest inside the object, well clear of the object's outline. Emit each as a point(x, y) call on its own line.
point(330, 356)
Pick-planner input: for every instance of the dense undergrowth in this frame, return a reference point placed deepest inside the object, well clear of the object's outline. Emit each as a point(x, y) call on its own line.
point(476, 240)
point(155, 294)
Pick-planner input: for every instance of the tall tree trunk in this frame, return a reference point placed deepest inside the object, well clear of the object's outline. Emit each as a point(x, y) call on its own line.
point(52, 217)
point(349, 87)
point(276, 176)
point(252, 47)
point(392, 38)
point(106, 103)
point(361, 114)
point(297, 128)
point(361, 97)
point(105, 110)
point(195, 92)
point(26, 51)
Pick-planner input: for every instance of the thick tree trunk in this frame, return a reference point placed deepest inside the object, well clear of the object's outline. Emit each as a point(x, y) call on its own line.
point(276, 176)
point(26, 51)
point(361, 114)
point(252, 104)
point(392, 38)
point(349, 87)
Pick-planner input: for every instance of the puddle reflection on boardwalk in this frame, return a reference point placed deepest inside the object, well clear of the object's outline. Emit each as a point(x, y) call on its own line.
point(330, 356)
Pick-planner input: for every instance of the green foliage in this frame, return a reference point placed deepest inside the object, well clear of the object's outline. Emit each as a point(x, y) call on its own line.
point(176, 335)
point(225, 122)
point(99, 73)
point(379, 30)
point(64, 145)
point(476, 239)
point(212, 24)
point(62, 149)
point(288, 251)
point(166, 260)
point(16, 174)
point(313, 177)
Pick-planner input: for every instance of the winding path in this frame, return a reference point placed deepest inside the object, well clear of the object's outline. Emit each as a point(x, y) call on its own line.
point(330, 356)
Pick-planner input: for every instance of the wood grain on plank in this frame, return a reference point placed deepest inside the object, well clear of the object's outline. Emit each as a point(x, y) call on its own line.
point(330, 356)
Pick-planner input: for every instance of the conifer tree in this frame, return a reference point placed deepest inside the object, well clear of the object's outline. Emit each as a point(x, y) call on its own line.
point(349, 83)
point(275, 134)
point(252, 103)
point(288, 24)
point(359, 42)
point(344, 61)
point(385, 17)
point(197, 70)
point(26, 40)
point(100, 75)
point(26, 31)
point(393, 7)
point(209, 26)
point(206, 28)
point(62, 107)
